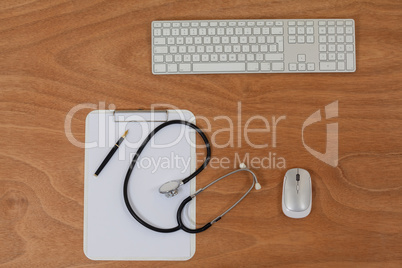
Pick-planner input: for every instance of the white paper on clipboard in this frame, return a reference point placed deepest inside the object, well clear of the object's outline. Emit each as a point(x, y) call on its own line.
point(110, 232)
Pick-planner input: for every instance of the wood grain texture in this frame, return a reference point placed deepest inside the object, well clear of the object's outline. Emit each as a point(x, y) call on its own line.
point(57, 54)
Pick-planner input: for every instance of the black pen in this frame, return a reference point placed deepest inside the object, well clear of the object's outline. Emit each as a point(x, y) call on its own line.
point(110, 154)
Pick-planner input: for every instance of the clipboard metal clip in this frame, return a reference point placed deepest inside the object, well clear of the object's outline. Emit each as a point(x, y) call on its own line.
point(141, 116)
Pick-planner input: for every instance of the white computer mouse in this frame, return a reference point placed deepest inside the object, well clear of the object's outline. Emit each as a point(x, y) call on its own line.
point(296, 193)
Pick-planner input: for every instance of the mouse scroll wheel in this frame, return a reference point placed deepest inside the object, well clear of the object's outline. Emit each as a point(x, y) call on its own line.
point(297, 177)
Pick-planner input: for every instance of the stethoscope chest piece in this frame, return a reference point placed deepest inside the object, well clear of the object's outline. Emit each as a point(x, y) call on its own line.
point(170, 188)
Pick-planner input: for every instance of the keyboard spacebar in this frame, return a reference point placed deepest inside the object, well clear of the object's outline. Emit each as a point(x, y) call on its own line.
point(219, 67)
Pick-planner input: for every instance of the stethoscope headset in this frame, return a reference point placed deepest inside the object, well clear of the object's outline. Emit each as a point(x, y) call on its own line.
point(171, 188)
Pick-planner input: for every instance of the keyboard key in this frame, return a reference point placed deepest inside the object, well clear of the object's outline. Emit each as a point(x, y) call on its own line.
point(310, 66)
point(274, 57)
point(349, 61)
point(168, 58)
point(301, 57)
point(172, 68)
point(265, 66)
point(157, 24)
point(158, 58)
point(341, 66)
point(292, 66)
point(159, 41)
point(292, 39)
point(270, 39)
point(177, 58)
point(310, 39)
point(349, 48)
point(187, 58)
point(340, 48)
point(254, 48)
point(292, 30)
point(277, 30)
point(160, 68)
point(328, 66)
point(301, 66)
point(219, 67)
point(160, 50)
point(196, 57)
point(322, 30)
point(339, 30)
point(277, 66)
point(265, 30)
point(252, 66)
point(184, 31)
point(250, 57)
point(349, 39)
point(157, 32)
point(185, 67)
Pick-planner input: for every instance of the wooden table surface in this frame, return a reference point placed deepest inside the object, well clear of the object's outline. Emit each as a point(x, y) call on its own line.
point(57, 54)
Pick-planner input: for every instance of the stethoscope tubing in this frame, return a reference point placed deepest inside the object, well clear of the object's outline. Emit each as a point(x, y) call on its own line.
point(134, 161)
point(180, 224)
point(209, 224)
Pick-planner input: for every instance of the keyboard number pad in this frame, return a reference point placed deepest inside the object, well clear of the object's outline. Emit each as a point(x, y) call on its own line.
point(336, 45)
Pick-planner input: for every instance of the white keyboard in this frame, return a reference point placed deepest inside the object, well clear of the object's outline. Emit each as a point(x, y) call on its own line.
point(253, 46)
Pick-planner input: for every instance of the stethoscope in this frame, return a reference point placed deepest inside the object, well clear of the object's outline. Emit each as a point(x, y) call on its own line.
point(171, 188)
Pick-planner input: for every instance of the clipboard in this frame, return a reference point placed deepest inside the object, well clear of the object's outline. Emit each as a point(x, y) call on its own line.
point(110, 232)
